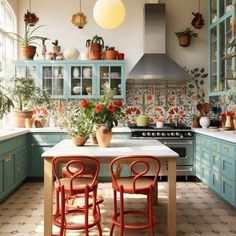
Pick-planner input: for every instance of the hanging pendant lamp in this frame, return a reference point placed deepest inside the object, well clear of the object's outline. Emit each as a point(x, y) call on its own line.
point(79, 19)
point(30, 18)
point(109, 14)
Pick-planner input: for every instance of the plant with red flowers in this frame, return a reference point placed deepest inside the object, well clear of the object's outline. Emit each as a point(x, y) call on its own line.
point(105, 110)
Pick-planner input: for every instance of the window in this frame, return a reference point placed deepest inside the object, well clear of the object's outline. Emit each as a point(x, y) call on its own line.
point(7, 43)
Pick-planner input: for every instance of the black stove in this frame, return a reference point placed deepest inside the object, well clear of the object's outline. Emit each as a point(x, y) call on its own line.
point(169, 131)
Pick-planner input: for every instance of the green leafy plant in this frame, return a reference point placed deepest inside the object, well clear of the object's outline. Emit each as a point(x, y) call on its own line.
point(5, 103)
point(198, 76)
point(24, 93)
point(187, 32)
point(55, 43)
point(96, 39)
point(77, 123)
point(109, 48)
point(28, 37)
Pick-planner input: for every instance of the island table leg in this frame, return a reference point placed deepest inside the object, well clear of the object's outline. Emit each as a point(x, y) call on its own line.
point(48, 198)
point(172, 197)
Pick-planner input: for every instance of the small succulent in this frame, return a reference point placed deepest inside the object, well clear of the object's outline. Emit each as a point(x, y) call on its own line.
point(55, 43)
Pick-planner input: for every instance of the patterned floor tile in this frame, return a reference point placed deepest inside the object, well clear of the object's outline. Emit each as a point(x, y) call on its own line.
point(199, 212)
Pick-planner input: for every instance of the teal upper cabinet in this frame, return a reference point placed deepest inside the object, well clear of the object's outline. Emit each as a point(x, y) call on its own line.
point(221, 67)
point(75, 79)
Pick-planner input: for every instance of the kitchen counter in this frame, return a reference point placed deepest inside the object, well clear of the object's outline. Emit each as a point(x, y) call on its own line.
point(7, 133)
point(229, 136)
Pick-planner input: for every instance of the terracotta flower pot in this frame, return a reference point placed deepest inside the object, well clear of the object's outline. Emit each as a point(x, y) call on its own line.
point(21, 116)
point(111, 54)
point(27, 52)
point(103, 136)
point(95, 51)
point(79, 141)
point(185, 40)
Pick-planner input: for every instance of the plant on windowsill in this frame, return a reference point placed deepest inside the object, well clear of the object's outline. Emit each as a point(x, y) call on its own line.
point(25, 95)
point(27, 49)
point(185, 37)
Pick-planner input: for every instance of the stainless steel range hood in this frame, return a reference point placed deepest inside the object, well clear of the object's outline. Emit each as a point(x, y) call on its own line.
point(155, 64)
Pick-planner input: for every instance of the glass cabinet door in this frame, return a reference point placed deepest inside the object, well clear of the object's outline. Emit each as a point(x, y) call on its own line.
point(25, 71)
point(53, 79)
point(110, 77)
point(213, 55)
point(81, 83)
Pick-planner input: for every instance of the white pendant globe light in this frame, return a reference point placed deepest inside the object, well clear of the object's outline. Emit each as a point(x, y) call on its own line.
point(109, 14)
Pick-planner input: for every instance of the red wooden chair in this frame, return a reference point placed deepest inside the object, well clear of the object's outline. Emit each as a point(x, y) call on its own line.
point(71, 189)
point(141, 178)
point(90, 168)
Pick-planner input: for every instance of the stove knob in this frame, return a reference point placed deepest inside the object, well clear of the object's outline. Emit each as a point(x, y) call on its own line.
point(168, 134)
point(153, 134)
point(144, 134)
point(172, 134)
point(158, 134)
point(148, 134)
point(190, 134)
point(177, 134)
point(163, 134)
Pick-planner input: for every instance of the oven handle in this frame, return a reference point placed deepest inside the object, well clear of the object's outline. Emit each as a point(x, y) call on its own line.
point(178, 143)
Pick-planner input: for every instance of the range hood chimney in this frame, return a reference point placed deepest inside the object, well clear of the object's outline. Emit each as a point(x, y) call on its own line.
point(155, 64)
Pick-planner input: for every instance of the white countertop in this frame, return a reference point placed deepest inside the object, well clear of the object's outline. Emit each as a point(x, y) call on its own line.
point(6, 133)
point(117, 147)
point(224, 135)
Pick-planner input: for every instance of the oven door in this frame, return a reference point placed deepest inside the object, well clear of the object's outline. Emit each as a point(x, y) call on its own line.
point(185, 161)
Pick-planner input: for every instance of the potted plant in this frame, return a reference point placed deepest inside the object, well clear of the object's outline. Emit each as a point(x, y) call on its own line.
point(25, 95)
point(27, 49)
point(185, 37)
point(110, 53)
point(56, 48)
point(5, 103)
point(78, 123)
point(95, 46)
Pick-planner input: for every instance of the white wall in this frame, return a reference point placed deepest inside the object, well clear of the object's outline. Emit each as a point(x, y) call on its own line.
point(128, 38)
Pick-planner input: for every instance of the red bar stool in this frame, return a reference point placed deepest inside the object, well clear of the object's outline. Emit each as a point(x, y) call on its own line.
point(90, 168)
point(70, 212)
point(141, 179)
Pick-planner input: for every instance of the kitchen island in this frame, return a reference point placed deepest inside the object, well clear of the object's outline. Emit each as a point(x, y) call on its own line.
point(117, 147)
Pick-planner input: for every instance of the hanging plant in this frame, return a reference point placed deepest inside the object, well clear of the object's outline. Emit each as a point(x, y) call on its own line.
point(197, 21)
point(30, 18)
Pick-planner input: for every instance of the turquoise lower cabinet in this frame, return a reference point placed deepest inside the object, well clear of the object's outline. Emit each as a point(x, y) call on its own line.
point(39, 143)
point(13, 164)
point(216, 166)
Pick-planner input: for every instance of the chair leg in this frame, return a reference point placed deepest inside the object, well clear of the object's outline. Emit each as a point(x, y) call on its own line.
point(150, 211)
point(121, 211)
point(115, 211)
point(155, 195)
point(86, 210)
point(62, 228)
point(99, 229)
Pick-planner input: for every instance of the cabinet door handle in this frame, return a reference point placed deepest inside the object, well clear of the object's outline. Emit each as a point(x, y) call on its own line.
point(226, 149)
point(214, 145)
point(217, 158)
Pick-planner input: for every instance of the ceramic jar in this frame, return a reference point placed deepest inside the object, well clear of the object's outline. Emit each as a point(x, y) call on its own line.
point(204, 122)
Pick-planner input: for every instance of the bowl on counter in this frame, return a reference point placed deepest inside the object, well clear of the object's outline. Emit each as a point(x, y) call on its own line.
point(142, 121)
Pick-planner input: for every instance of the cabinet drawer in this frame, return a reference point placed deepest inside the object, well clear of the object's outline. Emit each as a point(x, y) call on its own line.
point(227, 150)
point(206, 157)
point(215, 145)
point(198, 153)
point(21, 141)
point(216, 182)
point(198, 169)
point(44, 139)
point(205, 142)
point(228, 168)
point(228, 190)
point(216, 161)
point(206, 175)
point(7, 145)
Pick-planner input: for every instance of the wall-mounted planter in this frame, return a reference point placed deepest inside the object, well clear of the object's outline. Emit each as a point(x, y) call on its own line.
point(184, 41)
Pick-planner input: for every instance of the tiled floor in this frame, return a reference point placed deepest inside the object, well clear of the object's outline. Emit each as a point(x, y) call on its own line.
point(199, 212)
